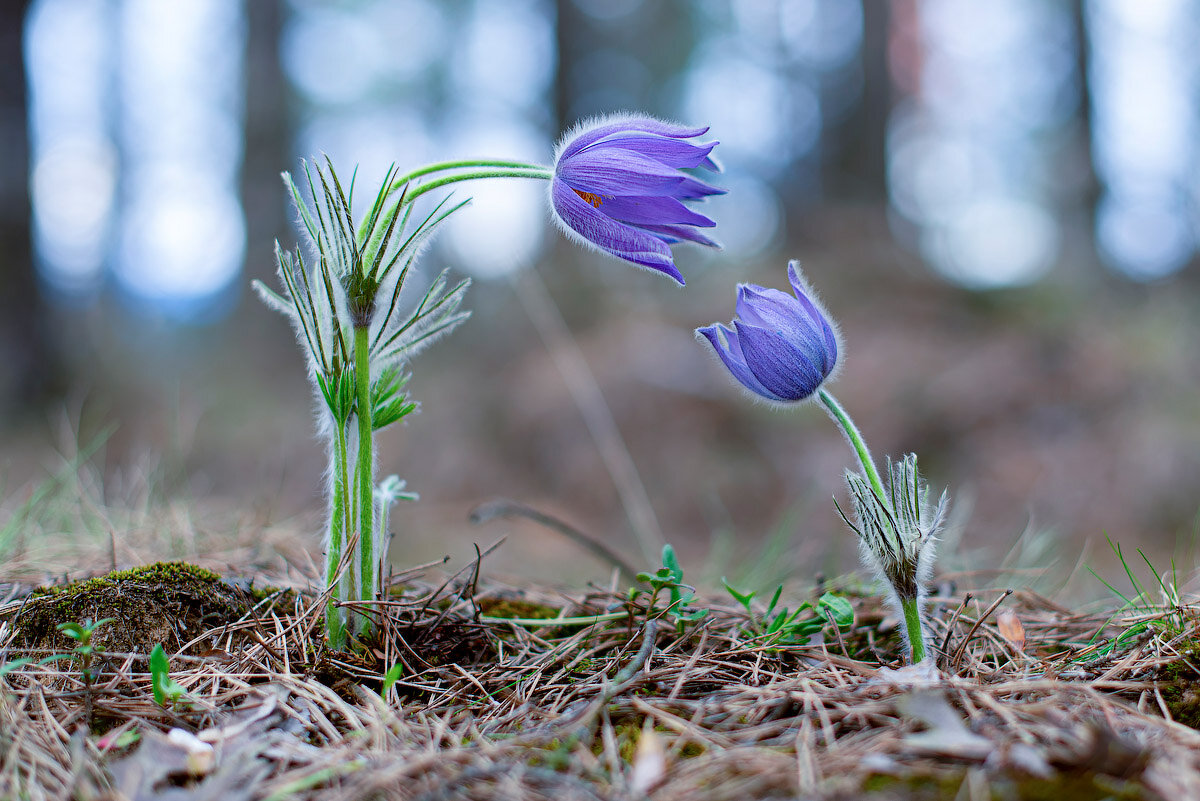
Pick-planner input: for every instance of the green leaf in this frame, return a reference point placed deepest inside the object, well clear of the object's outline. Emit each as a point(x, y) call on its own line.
point(774, 600)
point(391, 677)
point(383, 416)
point(671, 563)
point(324, 387)
point(744, 598)
point(840, 608)
point(82, 632)
point(801, 630)
point(55, 658)
point(388, 401)
point(391, 489)
point(339, 396)
point(13, 665)
point(162, 685)
point(75, 631)
point(159, 674)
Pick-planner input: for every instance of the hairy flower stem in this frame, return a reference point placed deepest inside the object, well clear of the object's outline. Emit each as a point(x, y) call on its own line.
point(914, 628)
point(909, 606)
point(335, 623)
point(365, 468)
point(540, 173)
point(854, 436)
point(445, 166)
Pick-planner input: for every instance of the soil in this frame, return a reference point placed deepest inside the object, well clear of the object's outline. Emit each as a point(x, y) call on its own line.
point(165, 603)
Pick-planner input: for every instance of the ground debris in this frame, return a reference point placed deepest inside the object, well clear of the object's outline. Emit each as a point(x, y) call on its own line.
point(616, 708)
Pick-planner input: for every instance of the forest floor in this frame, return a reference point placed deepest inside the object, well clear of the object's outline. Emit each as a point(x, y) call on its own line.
point(472, 689)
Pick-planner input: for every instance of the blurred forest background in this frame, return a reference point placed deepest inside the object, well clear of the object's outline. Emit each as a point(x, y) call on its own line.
point(1000, 202)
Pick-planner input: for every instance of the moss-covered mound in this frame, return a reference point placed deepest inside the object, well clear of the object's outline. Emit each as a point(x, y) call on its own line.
point(166, 602)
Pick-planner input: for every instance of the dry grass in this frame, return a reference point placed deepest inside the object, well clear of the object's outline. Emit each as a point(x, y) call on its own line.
point(627, 708)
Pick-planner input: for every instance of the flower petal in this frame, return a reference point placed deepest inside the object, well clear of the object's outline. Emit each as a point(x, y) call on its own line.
point(675, 233)
point(730, 351)
point(585, 136)
point(777, 363)
point(653, 210)
point(613, 172)
point(611, 236)
point(805, 295)
point(798, 319)
point(671, 152)
point(773, 310)
point(693, 189)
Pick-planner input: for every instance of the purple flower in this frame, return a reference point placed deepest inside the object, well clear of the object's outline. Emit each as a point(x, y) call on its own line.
point(619, 186)
point(781, 347)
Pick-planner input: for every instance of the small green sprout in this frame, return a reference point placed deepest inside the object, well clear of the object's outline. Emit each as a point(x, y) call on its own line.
point(784, 628)
point(669, 577)
point(165, 688)
point(391, 677)
point(85, 651)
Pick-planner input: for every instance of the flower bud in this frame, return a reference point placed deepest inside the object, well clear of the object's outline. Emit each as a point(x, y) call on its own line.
point(781, 347)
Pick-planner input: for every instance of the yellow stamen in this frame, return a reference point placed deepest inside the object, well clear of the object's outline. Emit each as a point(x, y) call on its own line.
point(594, 200)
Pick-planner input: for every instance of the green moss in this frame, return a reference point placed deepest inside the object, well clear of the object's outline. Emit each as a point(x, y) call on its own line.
point(516, 608)
point(556, 755)
point(917, 788)
point(276, 597)
point(1076, 786)
point(1180, 688)
point(260, 594)
point(165, 602)
point(628, 734)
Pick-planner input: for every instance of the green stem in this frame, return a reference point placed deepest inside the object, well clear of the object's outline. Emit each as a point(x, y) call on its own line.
point(538, 172)
point(335, 626)
point(856, 441)
point(913, 627)
point(535, 622)
point(443, 166)
point(365, 469)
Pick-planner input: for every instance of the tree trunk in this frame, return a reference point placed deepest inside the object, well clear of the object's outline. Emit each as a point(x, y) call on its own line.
point(29, 366)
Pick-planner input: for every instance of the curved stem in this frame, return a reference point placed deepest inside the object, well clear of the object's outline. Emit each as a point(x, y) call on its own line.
point(538, 172)
point(856, 441)
point(443, 166)
point(364, 470)
point(534, 622)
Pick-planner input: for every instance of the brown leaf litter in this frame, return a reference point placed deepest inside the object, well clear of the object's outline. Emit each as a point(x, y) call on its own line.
point(1029, 701)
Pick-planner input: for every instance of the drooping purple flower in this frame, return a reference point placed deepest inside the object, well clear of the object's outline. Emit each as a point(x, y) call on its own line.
point(781, 346)
point(619, 186)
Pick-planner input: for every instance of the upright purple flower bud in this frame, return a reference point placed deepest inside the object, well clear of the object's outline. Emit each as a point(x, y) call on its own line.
point(619, 186)
point(781, 347)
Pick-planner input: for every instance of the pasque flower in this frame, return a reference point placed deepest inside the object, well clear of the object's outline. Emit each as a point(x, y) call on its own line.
point(781, 346)
point(619, 186)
